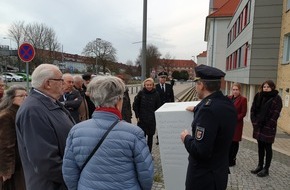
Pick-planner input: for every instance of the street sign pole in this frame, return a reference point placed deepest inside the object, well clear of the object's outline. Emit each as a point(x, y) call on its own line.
point(27, 76)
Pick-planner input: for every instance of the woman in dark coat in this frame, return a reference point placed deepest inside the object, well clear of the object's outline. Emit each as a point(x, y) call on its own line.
point(240, 103)
point(11, 172)
point(265, 112)
point(146, 102)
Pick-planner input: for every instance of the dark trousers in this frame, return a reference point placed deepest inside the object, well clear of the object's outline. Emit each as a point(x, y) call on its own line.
point(263, 148)
point(149, 141)
point(233, 151)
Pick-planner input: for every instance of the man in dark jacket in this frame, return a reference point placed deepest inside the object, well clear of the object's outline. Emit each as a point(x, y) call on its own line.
point(42, 126)
point(212, 133)
point(165, 90)
point(71, 98)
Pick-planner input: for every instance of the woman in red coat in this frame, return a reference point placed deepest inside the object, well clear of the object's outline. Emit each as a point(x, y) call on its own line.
point(240, 103)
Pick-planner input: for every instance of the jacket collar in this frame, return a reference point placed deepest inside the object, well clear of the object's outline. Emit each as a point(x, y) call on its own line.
point(47, 101)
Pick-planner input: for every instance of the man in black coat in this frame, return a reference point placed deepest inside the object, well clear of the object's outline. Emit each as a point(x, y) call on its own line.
point(71, 98)
point(212, 132)
point(165, 90)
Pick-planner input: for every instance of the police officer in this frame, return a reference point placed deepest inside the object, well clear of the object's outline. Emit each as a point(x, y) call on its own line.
point(165, 90)
point(212, 133)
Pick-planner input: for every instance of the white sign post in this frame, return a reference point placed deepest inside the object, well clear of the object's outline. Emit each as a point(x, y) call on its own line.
point(171, 119)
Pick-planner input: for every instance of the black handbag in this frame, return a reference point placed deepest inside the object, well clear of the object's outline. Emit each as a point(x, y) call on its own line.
point(99, 144)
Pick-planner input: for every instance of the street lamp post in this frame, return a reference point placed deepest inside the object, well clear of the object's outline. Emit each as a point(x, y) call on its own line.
point(97, 39)
point(144, 38)
point(6, 38)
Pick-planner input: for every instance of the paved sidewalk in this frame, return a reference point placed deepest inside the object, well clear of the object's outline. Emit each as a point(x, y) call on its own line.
point(282, 140)
point(241, 177)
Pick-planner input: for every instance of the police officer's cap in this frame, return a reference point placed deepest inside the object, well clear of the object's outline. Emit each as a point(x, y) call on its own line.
point(204, 72)
point(163, 74)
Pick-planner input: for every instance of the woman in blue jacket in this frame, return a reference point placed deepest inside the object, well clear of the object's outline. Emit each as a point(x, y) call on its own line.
point(122, 161)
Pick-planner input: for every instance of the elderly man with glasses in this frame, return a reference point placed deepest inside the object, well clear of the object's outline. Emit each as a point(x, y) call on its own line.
point(42, 126)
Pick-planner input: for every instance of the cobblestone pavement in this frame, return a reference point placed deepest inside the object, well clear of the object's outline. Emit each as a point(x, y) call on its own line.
point(241, 178)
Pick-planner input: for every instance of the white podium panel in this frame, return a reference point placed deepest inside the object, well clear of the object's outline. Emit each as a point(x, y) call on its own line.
point(171, 119)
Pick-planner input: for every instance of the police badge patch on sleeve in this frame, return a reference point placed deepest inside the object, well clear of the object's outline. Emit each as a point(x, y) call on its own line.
point(199, 133)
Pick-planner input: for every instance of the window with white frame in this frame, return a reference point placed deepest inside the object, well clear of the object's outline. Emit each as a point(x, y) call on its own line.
point(286, 51)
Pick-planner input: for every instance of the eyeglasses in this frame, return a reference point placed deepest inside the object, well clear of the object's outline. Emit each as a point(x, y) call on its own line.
point(21, 95)
point(57, 79)
point(2, 85)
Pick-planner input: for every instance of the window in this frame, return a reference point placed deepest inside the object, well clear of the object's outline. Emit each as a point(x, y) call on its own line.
point(245, 16)
point(235, 60)
point(239, 58)
point(249, 11)
point(246, 54)
point(230, 63)
point(242, 55)
point(286, 51)
point(240, 23)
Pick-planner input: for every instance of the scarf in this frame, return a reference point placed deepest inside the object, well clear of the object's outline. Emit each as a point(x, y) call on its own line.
point(264, 97)
point(111, 110)
point(263, 103)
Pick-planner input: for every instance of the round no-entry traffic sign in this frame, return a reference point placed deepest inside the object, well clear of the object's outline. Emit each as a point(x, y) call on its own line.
point(26, 52)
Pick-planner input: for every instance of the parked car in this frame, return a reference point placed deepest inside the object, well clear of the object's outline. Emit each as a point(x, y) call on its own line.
point(14, 77)
point(24, 76)
point(6, 78)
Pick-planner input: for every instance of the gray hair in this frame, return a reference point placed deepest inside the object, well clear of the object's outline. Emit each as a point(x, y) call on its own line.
point(9, 94)
point(77, 78)
point(66, 75)
point(42, 73)
point(106, 91)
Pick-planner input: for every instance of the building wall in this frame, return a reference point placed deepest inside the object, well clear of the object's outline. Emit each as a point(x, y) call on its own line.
point(262, 35)
point(201, 60)
point(265, 40)
point(283, 79)
point(217, 40)
point(242, 74)
point(262, 38)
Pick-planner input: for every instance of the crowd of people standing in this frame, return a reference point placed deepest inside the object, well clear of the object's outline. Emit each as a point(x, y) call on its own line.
point(72, 132)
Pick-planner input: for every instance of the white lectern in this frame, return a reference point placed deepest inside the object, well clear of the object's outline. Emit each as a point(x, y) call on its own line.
point(171, 119)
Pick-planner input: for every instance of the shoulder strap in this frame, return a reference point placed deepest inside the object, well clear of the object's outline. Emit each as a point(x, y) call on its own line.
point(99, 144)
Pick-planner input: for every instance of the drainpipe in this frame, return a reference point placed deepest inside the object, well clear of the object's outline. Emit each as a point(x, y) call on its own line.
point(213, 40)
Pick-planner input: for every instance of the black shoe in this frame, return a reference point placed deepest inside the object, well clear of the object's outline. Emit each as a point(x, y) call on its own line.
point(257, 170)
point(263, 173)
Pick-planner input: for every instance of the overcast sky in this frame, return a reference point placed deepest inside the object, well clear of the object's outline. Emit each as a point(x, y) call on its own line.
point(173, 26)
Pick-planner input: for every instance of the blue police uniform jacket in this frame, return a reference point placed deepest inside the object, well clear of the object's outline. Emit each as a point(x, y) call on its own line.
point(123, 160)
point(212, 132)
